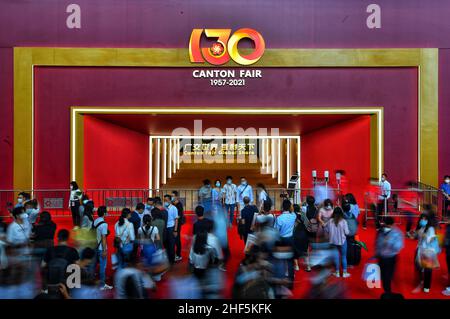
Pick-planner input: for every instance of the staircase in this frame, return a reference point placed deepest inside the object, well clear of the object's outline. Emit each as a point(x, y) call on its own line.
point(190, 176)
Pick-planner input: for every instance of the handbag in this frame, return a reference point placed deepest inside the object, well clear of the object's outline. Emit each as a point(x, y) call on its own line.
point(428, 258)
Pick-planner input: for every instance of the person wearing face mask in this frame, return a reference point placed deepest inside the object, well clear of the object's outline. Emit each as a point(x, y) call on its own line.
point(427, 250)
point(383, 197)
point(217, 192)
point(171, 227)
point(149, 205)
point(389, 243)
point(324, 215)
point(229, 195)
point(22, 197)
point(32, 210)
point(244, 190)
point(445, 189)
point(205, 197)
point(75, 202)
point(17, 234)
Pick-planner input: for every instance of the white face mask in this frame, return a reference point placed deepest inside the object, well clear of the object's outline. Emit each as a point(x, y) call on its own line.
point(229, 182)
point(329, 207)
point(20, 200)
point(383, 179)
point(447, 181)
point(386, 230)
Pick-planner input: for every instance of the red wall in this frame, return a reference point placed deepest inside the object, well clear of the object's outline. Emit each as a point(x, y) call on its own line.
point(344, 146)
point(56, 89)
point(114, 157)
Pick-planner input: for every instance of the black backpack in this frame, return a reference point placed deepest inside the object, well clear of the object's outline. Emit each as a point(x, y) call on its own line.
point(94, 228)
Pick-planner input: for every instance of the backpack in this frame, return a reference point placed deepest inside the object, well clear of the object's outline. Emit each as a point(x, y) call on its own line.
point(312, 225)
point(352, 223)
point(94, 228)
point(269, 200)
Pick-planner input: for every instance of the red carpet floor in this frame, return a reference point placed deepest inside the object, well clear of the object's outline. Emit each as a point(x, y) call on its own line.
point(404, 281)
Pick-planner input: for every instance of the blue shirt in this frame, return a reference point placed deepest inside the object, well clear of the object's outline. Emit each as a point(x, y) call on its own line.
point(285, 224)
point(244, 191)
point(172, 214)
point(445, 188)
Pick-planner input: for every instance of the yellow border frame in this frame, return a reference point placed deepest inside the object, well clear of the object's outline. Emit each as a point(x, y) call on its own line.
point(25, 58)
point(77, 131)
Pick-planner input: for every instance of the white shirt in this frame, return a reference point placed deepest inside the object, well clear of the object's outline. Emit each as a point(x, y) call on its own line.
point(101, 230)
point(17, 234)
point(262, 197)
point(230, 193)
point(151, 233)
point(244, 191)
point(385, 188)
point(172, 214)
point(125, 232)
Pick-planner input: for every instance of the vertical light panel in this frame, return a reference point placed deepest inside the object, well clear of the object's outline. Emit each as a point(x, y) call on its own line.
point(169, 158)
point(288, 161)
point(267, 156)
point(273, 157)
point(178, 153)
point(262, 155)
point(280, 177)
point(158, 163)
point(150, 165)
point(164, 163)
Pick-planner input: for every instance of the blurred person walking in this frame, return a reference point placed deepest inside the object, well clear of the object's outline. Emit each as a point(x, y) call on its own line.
point(427, 251)
point(388, 244)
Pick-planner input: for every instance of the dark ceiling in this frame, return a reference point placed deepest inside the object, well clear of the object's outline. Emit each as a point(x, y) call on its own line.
point(164, 124)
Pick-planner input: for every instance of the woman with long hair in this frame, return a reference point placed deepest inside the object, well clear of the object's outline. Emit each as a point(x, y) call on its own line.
point(337, 229)
point(427, 250)
point(201, 255)
point(124, 236)
point(262, 195)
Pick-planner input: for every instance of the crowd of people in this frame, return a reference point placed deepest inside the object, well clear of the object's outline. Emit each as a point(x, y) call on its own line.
point(146, 246)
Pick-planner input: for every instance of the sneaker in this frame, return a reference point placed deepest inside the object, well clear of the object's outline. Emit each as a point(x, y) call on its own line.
point(426, 290)
point(296, 268)
point(446, 292)
point(308, 269)
point(222, 268)
point(106, 287)
point(417, 289)
point(346, 275)
point(178, 258)
point(337, 274)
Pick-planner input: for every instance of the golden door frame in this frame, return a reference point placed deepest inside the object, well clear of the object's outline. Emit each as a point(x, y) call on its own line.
point(26, 58)
point(77, 127)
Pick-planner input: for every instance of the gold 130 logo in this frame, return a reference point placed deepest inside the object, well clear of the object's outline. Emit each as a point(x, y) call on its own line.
point(225, 47)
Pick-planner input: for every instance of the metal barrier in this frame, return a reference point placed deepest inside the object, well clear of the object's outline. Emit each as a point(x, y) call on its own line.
point(404, 203)
point(56, 201)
